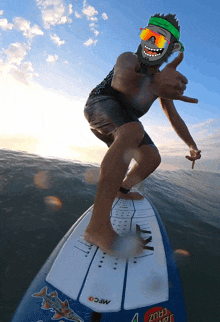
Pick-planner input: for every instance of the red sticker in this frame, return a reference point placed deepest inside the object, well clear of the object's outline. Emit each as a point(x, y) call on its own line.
point(158, 314)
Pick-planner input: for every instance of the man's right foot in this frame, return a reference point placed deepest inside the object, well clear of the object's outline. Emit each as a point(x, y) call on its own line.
point(103, 238)
point(113, 244)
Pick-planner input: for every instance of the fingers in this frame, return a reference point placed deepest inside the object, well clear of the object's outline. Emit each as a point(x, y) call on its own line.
point(183, 79)
point(193, 158)
point(190, 158)
point(187, 99)
point(176, 61)
point(193, 161)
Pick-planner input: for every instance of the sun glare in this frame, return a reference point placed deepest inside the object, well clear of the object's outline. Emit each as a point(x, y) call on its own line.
point(55, 123)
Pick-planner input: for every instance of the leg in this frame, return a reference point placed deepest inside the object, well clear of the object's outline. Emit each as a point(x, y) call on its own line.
point(113, 170)
point(147, 160)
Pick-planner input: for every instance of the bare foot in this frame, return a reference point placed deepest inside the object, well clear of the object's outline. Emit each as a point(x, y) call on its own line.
point(130, 196)
point(104, 238)
point(110, 242)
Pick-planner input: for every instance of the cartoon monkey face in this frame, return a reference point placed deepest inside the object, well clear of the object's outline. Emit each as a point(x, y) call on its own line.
point(150, 51)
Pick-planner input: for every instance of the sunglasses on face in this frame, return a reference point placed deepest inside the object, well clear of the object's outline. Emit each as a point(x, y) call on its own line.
point(160, 40)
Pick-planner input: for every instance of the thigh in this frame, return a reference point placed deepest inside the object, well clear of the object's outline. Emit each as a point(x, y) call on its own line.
point(105, 115)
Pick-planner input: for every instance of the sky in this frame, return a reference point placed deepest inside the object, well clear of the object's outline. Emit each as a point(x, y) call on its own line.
point(54, 52)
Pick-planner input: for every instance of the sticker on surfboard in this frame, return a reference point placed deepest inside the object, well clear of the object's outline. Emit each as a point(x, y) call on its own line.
point(158, 314)
point(135, 318)
point(61, 309)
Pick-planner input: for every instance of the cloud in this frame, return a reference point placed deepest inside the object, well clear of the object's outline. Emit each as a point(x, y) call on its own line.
point(5, 25)
point(57, 40)
point(89, 12)
point(77, 15)
point(22, 25)
point(96, 32)
point(16, 52)
point(54, 12)
point(25, 27)
point(90, 42)
point(1, 12)
point(14, 64)
point(52, 59)
point(104, 16)
point(70, 8)
point(18, 75)
point(205, 134)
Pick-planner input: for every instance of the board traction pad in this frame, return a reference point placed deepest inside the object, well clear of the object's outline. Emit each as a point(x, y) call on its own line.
point(105, 283)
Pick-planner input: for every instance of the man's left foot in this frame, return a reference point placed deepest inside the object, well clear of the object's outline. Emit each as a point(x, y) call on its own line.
point(130, 195)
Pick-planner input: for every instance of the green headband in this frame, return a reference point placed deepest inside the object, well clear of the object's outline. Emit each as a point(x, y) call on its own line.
point(168, 26)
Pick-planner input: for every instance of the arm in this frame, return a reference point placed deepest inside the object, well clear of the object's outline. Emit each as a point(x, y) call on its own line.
point(180, 127)
point(135, 87)
point(177, 123)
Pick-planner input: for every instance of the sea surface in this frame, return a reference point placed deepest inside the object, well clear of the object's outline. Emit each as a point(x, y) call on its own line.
point(41, 198)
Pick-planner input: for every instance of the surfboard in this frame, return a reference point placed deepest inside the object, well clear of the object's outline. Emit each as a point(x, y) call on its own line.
point(80, 282)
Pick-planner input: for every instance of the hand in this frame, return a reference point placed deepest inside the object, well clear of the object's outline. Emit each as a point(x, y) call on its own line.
point(194, 155)
point(171, 84)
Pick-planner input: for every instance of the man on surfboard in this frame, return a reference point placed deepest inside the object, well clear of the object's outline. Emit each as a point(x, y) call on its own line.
point(113, 110)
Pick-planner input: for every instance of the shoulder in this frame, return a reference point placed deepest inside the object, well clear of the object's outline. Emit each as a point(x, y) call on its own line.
point(127, 59)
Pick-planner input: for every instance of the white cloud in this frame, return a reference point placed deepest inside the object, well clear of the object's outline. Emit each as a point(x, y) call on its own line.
point(57, 40)
point(24, 73)
point(16, 52)
point(104, 16)
point(77, 15)
point(70, 8)
point(14, 65)
point(25, 27)
point(90, 12)
point(54, 12)
point(52, 59)
point(1, 12)
point(90, 42)
point(5, 25)
point(96, 32)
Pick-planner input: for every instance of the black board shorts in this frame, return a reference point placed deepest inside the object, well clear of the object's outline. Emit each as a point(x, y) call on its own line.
point(106, 114)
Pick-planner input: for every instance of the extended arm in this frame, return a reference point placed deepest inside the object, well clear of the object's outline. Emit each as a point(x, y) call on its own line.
point(180, 127)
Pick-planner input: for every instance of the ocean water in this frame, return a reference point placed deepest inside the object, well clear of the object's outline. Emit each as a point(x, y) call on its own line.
point(40, 199)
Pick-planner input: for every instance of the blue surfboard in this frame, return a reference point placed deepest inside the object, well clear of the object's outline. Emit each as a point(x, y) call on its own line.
point(80, 282)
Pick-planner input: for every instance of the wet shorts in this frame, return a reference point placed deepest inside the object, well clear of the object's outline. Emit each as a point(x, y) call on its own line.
point(106, 114)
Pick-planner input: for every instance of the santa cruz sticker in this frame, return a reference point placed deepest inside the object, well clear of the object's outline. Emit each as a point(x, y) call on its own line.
point(158, 314)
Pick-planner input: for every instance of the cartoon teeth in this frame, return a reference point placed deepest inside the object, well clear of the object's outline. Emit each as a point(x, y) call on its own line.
point(152, 52)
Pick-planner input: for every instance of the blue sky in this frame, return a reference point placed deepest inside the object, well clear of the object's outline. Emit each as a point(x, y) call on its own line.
point(54, 52)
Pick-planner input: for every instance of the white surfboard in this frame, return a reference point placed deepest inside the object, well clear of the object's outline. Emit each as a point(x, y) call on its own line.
point(105, 284)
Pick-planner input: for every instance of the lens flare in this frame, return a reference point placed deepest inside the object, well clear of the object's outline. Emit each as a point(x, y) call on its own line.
point(92, 176)
point(42, 180)
point(53, 203)
point(182, 257)
point(128, 155)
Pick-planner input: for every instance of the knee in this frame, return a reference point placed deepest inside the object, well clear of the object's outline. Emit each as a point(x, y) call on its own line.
point(157, 159)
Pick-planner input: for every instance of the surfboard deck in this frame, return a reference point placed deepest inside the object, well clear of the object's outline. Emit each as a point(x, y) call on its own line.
point(79, 282)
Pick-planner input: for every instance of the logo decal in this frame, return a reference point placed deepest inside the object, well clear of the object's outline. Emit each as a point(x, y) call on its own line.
point(61, 309)
point(135, 318)
point(158, 314)
point(100, 301)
